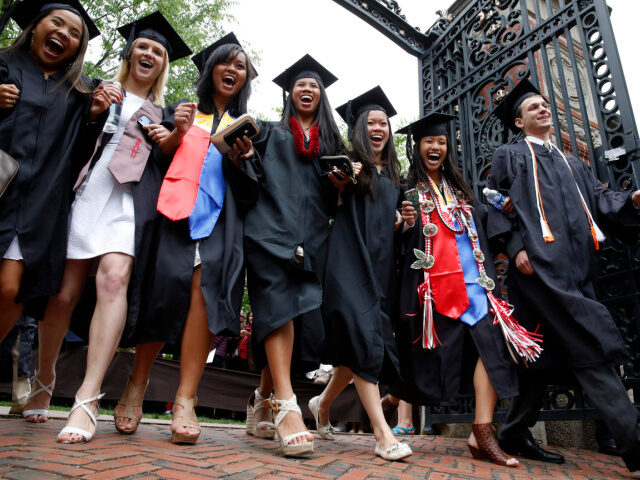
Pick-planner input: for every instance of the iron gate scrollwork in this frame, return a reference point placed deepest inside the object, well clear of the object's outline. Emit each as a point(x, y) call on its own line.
point(468, 60)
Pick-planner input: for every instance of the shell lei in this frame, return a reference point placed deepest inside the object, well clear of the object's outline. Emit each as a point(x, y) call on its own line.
point(525, 343)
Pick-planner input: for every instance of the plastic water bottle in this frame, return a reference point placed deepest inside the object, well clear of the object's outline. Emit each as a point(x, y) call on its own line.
point(495, 198)
point(114, 115)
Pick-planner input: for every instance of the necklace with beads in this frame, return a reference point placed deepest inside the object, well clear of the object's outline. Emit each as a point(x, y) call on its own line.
point(526, 344)
point(458, 212)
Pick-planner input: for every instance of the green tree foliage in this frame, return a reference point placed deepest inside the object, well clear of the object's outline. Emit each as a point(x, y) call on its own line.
point(246, 304)
point(199, 23)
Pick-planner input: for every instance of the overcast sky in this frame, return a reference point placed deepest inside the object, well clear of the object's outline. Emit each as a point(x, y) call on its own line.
point(282, 31)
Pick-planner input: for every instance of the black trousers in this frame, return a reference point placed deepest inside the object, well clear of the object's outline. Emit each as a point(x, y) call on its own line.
point(607, 394)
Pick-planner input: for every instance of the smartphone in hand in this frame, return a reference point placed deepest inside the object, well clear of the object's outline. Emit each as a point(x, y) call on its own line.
point(143, 121)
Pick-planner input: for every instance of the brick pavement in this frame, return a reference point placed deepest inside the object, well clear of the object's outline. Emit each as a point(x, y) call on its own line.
point(30, 452)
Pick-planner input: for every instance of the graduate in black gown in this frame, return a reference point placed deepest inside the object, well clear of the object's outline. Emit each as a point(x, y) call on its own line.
point(44, 104)
point(552, 240)
point(195, 283)
point(359, 281)
point(285, 246)
point(450, 341)
point(112, 217)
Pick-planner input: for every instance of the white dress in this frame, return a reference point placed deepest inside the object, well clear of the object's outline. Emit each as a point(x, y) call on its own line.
point(102, 218)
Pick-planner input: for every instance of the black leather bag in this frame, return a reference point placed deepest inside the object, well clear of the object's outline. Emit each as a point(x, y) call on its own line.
point(341, 162)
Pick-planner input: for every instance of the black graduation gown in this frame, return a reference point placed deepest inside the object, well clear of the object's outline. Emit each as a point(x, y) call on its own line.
point(39, 132)
point(360, 283)
point(166, 290)
point(294, 206)
point(443, 375)
point(560, 295)
point(145, 200)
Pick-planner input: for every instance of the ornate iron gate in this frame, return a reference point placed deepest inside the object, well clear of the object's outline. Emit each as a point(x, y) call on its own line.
point(567, 47)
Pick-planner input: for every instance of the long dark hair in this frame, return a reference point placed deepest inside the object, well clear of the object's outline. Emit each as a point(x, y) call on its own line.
point(361, 152)
point(331, 141)
point(450, 168)
point(73, 71)
point(205, 88)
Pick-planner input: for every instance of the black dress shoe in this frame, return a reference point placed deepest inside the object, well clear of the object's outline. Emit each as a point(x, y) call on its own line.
point(608, 446)
point(631, 459)
point(528, 448)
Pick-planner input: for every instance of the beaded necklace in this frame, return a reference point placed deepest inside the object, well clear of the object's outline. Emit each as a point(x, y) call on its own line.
point(526, 343)
point(431, 201)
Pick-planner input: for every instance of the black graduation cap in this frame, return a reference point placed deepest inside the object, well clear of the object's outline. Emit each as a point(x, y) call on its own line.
point(306, 67)
point(26, 11)
point(374, 99)
point(155, 27)
point(507, 108)
point(200, 58)
point(430, 125)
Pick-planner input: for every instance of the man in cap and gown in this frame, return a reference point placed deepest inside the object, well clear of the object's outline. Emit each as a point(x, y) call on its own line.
point(552, 241)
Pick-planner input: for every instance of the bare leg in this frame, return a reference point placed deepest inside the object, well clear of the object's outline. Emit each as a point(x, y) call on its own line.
point(54, 327)
point(10, 277)
point(279, 347)
point(339, 380)
point(405, 415)
point(370, 397)
point(486, 399)
point(107, 324)
point(195, 347)
point(389, 405)
point(265, 389)
point(146, 354)
point(266, 382)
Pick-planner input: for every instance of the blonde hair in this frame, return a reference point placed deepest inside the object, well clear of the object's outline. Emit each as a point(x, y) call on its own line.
point(158, 84)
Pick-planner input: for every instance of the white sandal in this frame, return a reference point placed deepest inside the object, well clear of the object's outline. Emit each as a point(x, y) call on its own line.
point(325, 431)
point(70, 429)
point(39, 411)
point(281, 408)
point(263, 429)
